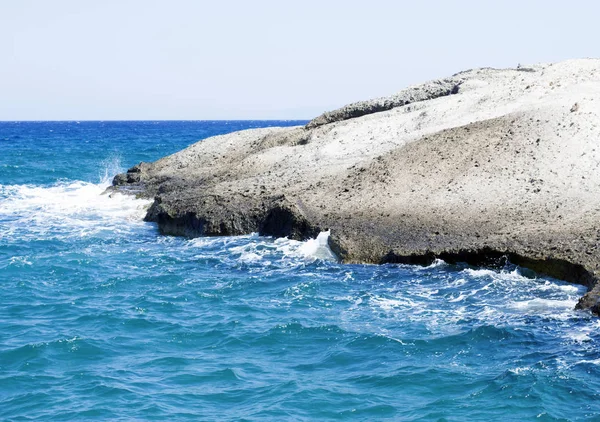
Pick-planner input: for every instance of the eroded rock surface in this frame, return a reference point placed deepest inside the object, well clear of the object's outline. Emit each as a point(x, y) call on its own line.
point(484, 165)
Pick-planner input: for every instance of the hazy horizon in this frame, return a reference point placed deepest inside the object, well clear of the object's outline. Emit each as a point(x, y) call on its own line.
point(187, 60)
point(148, 120)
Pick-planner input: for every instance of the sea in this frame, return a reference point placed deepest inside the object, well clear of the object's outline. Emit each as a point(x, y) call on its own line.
point(102, 318)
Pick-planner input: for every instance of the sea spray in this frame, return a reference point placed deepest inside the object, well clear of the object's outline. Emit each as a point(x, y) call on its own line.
point(72, 208)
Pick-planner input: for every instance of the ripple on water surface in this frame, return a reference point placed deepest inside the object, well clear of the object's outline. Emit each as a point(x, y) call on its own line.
point(103, 318)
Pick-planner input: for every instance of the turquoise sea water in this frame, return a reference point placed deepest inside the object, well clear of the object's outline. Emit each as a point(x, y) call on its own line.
point(101, 318)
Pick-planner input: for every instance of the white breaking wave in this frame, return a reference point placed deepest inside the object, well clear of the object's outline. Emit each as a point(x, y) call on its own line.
point(537, 306)
point(69, 208)
point(437, 263)
point(317, 248)
point(265, 250)
point(262, 248)
point(514, 275)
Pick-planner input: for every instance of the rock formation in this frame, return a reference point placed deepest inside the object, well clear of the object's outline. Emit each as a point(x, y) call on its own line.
point(480, 167)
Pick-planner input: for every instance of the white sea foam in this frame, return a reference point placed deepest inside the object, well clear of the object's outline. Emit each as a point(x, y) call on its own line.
point(567, 288)
point(579, 336)
point(489, 297)
point(595, 362)
point(388, 304)
point(437, 263)
point(539, 305)
point(79, 208)
point(522, 370)
point(264, 248)
point(318, 248)
point(584, 334)
point(19, 261)
point(458, 283)
point(514, 275)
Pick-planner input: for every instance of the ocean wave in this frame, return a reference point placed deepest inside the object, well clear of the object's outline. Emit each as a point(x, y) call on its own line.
point(65, 209)
point(265, 248)
point(260, 252)
point(539, 305)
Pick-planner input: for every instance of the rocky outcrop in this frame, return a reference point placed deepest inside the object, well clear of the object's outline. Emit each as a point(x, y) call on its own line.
point(484, 166)
point(424, 92)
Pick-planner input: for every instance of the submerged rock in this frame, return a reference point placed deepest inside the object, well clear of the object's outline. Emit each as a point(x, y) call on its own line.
point(483, 165)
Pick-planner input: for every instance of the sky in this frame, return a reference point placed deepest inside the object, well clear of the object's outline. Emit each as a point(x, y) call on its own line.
point(201, 60)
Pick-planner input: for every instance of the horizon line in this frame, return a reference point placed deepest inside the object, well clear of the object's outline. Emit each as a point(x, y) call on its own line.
point(149, 120)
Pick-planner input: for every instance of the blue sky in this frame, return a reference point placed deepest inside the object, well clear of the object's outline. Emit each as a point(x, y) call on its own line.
point(184, 59)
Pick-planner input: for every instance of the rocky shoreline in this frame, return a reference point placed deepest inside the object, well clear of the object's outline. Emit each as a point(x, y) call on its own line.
point(480, 167)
